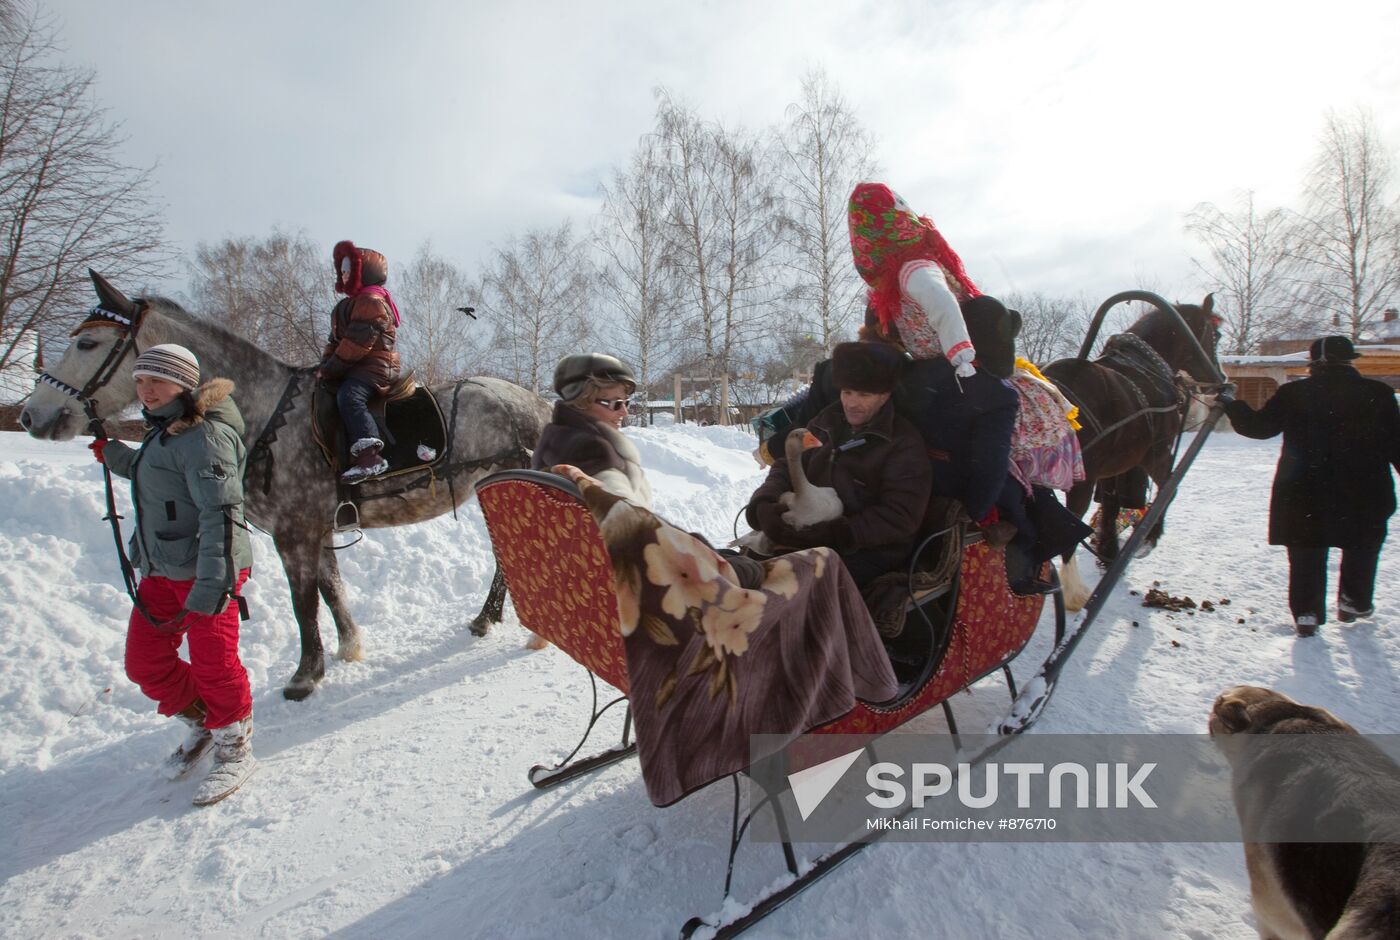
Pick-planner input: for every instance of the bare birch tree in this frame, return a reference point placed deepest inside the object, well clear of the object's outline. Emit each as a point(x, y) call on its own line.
point(745, 202)
point(1348, 236)
point(1247, 265)
point(277, 292)
point(720, 232)
point(691, 232)
point(537, 292)
point(1051, 327)
point(67, 202)
point(438, 340)
point(633, 278)
point(825, 152)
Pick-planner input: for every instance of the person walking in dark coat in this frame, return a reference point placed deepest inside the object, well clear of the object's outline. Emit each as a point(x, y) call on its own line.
point(1333, 489)
point(870, 456)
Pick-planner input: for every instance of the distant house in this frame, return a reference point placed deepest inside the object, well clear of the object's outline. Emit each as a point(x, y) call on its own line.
point(1384, 333)
point(1284, 357)
point(1256, 378)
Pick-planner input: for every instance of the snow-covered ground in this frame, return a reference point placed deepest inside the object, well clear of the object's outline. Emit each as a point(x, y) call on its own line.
point(393, 802)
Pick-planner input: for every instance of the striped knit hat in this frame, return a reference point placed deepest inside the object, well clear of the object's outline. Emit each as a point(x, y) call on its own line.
point(170, 362)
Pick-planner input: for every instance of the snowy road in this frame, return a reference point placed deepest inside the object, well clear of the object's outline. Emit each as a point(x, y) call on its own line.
point(393, 802)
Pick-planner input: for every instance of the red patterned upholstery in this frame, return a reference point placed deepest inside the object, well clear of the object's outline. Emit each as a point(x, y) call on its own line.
point(557, 569)
point(992, 625)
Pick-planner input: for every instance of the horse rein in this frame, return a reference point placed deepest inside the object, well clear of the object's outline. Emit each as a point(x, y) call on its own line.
point(100, 316)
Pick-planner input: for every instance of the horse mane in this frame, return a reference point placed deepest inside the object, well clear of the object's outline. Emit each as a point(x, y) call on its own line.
point(225, 336)
point(1159, 332)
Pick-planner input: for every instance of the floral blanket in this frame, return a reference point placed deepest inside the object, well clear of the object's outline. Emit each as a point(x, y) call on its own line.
point(710, 663)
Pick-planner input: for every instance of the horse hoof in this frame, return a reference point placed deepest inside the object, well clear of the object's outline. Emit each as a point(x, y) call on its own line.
point(351, 652)
point(296, 691)
point(480, 626)
point(303, 683)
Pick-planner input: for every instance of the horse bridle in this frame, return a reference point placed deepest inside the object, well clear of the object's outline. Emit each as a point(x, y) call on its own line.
point(126, 341)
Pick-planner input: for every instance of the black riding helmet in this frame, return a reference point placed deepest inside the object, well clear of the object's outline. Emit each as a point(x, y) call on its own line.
point(573, 373)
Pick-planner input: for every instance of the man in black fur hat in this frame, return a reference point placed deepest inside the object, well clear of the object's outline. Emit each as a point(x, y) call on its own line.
point(870, 456)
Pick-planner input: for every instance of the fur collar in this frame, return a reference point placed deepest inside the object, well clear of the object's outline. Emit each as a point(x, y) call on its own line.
point(205, 397)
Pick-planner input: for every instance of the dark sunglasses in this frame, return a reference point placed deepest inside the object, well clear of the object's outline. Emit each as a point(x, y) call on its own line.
point(614, 404)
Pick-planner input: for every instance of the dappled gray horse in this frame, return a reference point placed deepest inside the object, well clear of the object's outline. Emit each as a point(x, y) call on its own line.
point(290, 491)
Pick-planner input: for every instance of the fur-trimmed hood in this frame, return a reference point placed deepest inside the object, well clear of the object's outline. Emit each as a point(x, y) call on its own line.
point(212, 402)
point(187, 489)
point(368, 268)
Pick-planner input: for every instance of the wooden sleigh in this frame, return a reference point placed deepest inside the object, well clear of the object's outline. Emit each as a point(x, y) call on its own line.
point(560, 577)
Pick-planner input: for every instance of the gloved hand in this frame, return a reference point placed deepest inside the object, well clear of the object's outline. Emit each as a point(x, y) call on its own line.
point(961, 362)
point(767, 517)
point(331, 368)
point(184, 620)
point(835, 534)
point(96, 448)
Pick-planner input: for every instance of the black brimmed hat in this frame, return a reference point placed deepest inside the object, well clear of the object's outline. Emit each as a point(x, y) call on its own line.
point(1333, 349)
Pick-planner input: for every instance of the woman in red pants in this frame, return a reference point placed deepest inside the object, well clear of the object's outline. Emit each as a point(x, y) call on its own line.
point(192, 547)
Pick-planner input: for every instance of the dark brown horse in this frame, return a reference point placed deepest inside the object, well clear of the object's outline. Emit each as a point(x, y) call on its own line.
point(1132, 402)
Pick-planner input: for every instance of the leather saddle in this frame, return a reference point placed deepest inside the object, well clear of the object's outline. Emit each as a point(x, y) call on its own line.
point(410, 424)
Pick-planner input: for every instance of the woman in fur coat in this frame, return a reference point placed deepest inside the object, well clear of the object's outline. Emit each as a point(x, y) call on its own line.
point(584, 431)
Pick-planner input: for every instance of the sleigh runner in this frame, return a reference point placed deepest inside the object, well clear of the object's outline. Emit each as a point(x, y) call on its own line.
point(699, 681)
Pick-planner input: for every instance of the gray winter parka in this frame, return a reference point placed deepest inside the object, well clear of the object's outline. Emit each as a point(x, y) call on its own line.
point(187, 486)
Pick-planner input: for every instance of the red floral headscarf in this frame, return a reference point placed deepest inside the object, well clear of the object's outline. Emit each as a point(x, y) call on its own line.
point(886, 235)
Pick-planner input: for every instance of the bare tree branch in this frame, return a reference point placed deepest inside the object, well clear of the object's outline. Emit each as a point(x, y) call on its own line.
point(630, 238)
point(277, 292)
point(1347, 241)
point(67, 202)
point(825, 152)
point(537, 293)
point(1248, 266)
point(438, 340)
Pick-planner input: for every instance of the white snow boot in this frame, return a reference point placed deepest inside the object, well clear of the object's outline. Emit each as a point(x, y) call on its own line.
point(233, 762)
point(368, 462)
point(196, 743)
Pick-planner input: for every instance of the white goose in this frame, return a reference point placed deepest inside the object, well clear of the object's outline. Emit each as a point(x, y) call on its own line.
point(806, 504)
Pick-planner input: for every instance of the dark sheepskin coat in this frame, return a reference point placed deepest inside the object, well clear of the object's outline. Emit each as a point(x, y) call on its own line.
point(1341, 436)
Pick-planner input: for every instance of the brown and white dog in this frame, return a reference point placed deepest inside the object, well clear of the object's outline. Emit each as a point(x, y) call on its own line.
point(1301, 889)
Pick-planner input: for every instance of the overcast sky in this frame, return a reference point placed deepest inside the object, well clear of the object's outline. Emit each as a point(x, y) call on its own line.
point(1057, 144)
